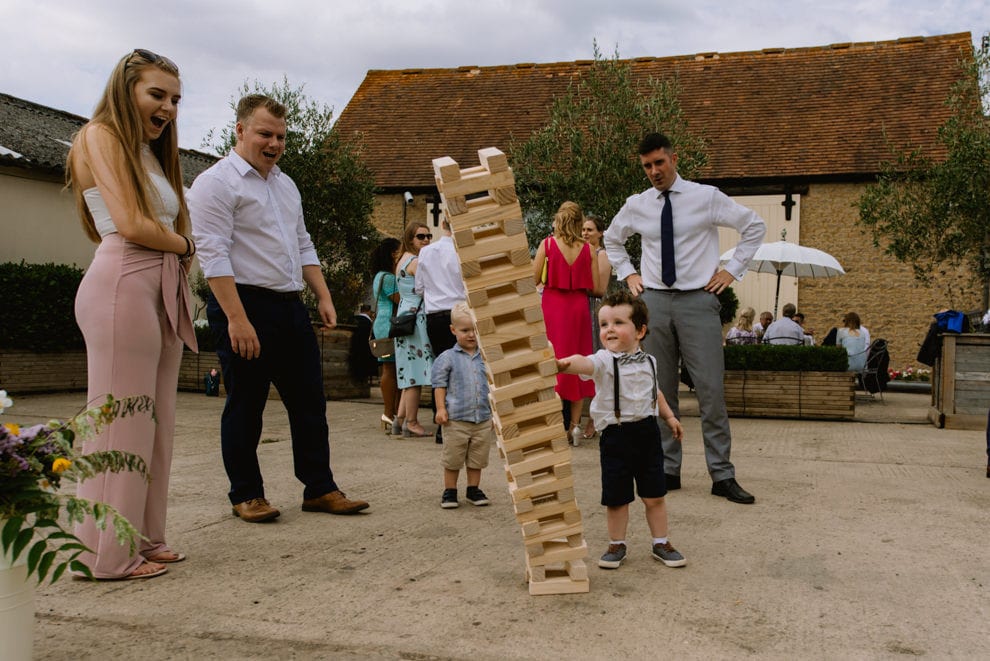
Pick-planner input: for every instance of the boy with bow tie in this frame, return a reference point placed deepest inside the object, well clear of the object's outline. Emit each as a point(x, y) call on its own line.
point(625, 408)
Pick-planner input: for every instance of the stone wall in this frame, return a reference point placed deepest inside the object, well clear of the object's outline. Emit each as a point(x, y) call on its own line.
point(883, 291)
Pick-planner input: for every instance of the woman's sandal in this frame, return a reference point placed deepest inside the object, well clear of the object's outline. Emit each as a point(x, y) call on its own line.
point(145, 570)
point(409, 431)
point(166, 557)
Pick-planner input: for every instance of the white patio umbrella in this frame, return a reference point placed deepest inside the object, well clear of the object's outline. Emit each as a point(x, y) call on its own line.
point(786, 258)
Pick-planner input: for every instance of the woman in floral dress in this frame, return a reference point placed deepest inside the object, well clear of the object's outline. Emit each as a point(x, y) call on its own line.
point(413, 353)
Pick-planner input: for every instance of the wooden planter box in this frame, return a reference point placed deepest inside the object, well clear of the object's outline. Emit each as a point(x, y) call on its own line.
point(961, 382)
point(26, 372)
point(813, 395)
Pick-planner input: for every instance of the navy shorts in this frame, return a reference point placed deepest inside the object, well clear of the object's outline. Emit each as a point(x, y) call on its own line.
point(631, 451)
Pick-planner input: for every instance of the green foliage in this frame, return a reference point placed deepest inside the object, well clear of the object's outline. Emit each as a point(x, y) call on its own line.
point(785, 358)
point(337, 188)
point(38, 301)
point(933, 214)
point(730, 303)
point(586, 152)
point(34, 461)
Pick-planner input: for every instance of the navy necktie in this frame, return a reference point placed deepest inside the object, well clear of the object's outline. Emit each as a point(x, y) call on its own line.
point(668, 272)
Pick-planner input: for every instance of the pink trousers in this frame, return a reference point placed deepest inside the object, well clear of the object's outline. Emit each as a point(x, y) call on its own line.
point(132, 307)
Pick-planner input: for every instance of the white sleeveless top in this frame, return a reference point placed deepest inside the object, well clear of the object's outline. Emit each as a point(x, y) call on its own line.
point(165, 204)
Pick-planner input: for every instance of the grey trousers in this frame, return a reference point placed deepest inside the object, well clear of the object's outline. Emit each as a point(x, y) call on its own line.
point(686, 325)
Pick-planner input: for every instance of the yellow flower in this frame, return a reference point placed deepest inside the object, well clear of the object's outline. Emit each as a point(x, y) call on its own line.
point(13, 429)
point(60, 465)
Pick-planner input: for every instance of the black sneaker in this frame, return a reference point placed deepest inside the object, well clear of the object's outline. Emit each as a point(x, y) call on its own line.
point(449, 499)
point(476, 496)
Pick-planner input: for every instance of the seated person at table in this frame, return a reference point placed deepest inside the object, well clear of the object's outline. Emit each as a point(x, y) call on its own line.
point(785, 330)
point(852, 339)
point(809, 333)
point(742, 332)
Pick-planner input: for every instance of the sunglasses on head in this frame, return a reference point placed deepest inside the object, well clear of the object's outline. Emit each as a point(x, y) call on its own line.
point(424, 237)
point(154, 58)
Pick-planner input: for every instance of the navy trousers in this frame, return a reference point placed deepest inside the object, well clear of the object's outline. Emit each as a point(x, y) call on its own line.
point(290, 359)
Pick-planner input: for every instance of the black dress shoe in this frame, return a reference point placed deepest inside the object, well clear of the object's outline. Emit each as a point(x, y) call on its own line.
point(673, 481)
point(730, 489)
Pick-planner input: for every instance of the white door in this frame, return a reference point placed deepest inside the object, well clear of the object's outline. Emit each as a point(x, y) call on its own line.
point(757, 290)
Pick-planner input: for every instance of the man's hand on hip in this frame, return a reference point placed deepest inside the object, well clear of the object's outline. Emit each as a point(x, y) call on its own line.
point(635, 283)
point(719, 282)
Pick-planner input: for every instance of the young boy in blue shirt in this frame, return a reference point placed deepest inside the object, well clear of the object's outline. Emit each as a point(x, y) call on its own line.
point(460, 390)
point(625, 408)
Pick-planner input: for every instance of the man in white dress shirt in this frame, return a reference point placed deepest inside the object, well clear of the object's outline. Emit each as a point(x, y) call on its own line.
point(785, 330)
point(439, 282)
point(257, 256)
point(681, 294)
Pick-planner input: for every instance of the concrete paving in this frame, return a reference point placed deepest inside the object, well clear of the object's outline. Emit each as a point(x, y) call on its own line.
point(868, 540)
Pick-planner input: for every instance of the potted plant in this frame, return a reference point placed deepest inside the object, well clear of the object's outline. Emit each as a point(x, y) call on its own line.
point(33, 542)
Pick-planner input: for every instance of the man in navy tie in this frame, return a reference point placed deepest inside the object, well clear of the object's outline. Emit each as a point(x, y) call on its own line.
point(678, 222)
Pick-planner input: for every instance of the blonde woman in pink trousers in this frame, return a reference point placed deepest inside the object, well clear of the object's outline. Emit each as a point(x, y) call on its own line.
point(133, 303)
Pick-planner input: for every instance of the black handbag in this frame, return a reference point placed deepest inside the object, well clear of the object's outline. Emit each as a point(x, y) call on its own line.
point(403, 324)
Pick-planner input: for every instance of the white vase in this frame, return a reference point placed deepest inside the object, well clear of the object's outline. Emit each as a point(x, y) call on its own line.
point(16, 609)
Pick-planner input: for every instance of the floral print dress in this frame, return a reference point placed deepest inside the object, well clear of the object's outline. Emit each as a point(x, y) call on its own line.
point(413, 353)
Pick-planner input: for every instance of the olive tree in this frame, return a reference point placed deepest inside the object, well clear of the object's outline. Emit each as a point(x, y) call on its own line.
point(586, 152)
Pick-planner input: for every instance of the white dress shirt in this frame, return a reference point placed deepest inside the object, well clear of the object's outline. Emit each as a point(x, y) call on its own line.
point(250, 227)
point(698, 211)
point(438, 276)
point(782, 331)
point(636, 388)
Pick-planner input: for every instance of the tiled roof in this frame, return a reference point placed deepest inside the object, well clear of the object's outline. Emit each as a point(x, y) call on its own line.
point(789, 112)
point(37, 137)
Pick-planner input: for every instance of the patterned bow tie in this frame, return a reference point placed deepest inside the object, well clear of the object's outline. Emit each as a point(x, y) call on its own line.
point(629, 358)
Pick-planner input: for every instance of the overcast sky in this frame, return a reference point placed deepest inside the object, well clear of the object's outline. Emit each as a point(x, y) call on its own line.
point(60, 52)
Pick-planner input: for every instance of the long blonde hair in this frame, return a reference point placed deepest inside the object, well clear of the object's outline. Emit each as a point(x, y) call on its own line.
point(745, 321)
point(567, 223)
point(117, 113)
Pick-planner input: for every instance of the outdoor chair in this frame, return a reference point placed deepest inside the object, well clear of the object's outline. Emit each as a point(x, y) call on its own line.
point(783, 340)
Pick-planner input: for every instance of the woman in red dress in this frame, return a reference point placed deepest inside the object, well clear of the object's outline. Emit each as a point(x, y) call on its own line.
point(570, 275)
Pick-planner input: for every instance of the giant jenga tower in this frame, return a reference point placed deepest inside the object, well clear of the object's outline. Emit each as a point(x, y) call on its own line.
point(490, 237)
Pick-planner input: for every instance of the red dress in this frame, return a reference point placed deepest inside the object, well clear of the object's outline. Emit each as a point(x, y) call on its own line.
point(566, 314)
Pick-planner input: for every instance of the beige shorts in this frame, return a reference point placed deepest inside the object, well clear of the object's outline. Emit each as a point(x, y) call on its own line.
point(466, 443)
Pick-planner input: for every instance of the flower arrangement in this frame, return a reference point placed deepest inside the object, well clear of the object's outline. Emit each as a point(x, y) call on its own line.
point(909, 374)
point(34, 461)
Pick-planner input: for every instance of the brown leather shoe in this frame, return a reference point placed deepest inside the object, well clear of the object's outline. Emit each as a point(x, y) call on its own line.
point(334, 502)
point(255, 510)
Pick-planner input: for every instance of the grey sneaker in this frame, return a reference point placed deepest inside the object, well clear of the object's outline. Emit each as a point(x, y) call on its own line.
point(449, 499)
point(668, 555)
point(613, 557)
point(476, 496)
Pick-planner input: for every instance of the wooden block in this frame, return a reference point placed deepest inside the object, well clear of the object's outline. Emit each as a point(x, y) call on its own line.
point(508, 406)
point(536, 461)
point(558, 585)
point(480, 296)
point(549, 507)
point(453, 205)
point(478, 180)
point(445, 169)
point(523, 385)
point(512, 329)
point(514, 358)
point(542, 412)
point(558, 552)
point(492, 159)
point(489, 272)
point(550, 531)
point(485, 211)
point(504, 195)
point(495, 244)
point(528, 486)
